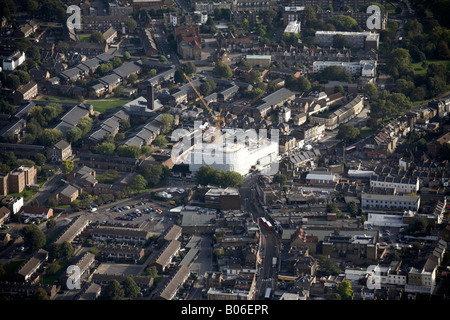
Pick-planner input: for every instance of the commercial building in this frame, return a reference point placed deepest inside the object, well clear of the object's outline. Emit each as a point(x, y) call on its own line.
point(389, 202)
point(258, 153)
point(223, 199)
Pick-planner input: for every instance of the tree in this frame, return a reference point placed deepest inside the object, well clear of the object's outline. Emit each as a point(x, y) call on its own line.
point(67, 166)
point(66, 250)
point(154, 174)
point(24, 77)
point(51, 136)
point(41, 294)
point(348, 133)
point(255, 77)
point(205, 88)
point(222, 70)
point(12, 82)
point(303, 84)
point(129, 151)
point(131, 24)
point(160, 141)
point(146, 150)
point(344, 23)
point(109, 176)
point(7, 108)
point(345, 290)
point(179, 76)
point(189, 68)
point(116, 62)
point(399, 63)
point(371, 90)
point(328, 266)
point(279, 178)
point(138, 183)
point(51, 223)
point(232, 179)
point(33, 237)
point(152, 272)
point(74, 134)
point(162, 59)
point(85, 124)
point(40, 159)
point(126, 55)
point(205, 175)
point(114, 291)
point(105, 148)
point(130, 288)
point(352, 207)
point(167, 120)
point(97, 37)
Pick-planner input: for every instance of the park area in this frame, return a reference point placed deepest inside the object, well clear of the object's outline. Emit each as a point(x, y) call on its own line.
point(99, 105)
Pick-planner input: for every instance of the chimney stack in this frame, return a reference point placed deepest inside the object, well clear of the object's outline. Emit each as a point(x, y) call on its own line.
point(150, 97)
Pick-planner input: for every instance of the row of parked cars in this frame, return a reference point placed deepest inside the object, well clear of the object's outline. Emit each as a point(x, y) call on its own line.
point(138, 213)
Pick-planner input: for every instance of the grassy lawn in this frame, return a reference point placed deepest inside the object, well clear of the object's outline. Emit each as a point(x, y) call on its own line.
point(418, 69)
point(56, 98)
point(367, 131)
point(25, 194)
point(11, 267)
point(84, 37)
point(102, 106)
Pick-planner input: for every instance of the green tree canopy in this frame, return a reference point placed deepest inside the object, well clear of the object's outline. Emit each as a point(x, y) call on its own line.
point(348, 133)
point(345, 290)
point(33, 237)
point(128, 151)
point(114, 291)
point(51, 136)
point(222, 70)
point(104, 148)
point(399, 63)
point(97, 37)
point(130, 288)
point(138, 183)
point(68, 166)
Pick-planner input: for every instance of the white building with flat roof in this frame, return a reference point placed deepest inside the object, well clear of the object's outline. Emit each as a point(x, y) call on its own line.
point(389, 202)
point(365, 68)
point(243, 155)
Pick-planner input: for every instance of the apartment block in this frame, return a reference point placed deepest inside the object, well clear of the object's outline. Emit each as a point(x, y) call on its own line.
point(389, 202)
point(16, 181)
point(357, 40)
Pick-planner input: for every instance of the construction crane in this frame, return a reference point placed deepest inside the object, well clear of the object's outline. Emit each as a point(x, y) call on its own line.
point(217, 118)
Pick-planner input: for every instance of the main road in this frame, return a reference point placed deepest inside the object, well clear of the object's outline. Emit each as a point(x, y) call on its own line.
point(266, 274)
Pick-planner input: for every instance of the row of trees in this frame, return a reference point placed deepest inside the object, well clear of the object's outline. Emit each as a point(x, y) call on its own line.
point(209, 175)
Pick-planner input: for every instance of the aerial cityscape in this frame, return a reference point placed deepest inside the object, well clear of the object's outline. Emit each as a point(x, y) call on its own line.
point(224, 150)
